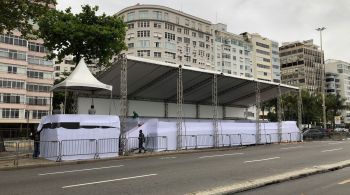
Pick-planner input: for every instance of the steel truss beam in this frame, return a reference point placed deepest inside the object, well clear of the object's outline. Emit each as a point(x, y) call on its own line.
point(123, 102)
point(279, 113)
point(179, 104)
point(257, 119)
point(300, 104)
point(215, 110)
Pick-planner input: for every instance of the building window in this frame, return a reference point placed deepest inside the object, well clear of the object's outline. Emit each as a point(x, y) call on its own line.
point(130, 45)
point(186, 31)
point(10, 113)
point(169, 36)
point(131, 16)
point(39, 61)
point(187, 40)
point(157, 25)
point(13, 40)
point(11, 98)
point(201, 44)
point(38, 88)
point(13, 54)
point(187, 22)
point(179, 39)
point(262, 52)
point(157, 15)
point(38, 114)
point(179, 30)
point(143, 24)
point(157, 44)
point(143, 43)
point(166, 16)
point(131, 26)
point(170, 55)
point(262, 45)
point(143, 33)
point(36, 47)
point(13, 84)
point(12, 69)
point(142, 53)
point(34, 74)
point(143, 14)
point(193, 34)
point(169, 26)
point(39, 101)
point(157, 54)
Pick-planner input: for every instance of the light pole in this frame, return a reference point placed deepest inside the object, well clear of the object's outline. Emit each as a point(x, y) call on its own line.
point(323, 70)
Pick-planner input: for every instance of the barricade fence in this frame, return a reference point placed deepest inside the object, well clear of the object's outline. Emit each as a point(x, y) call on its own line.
point(55, 150)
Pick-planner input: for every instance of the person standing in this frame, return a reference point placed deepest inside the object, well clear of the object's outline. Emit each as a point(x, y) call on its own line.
point(142, 140)
point(92, 110)
point(36, 138)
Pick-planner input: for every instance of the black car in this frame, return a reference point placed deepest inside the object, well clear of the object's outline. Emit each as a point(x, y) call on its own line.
point(315, 133)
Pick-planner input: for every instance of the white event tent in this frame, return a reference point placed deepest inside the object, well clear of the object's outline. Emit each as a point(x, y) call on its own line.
point(80, 136)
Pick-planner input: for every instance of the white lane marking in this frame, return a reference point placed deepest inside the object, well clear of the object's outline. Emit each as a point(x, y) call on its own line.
point(170, 157)
point(334, 143)
point(249, 161)
point(79, 170)
point(111, 180)
point(287, 148)
point(219, 155)
point(332, 150)
point(344, 182)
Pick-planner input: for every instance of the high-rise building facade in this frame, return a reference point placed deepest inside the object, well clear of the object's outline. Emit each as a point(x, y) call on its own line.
point(265, 57)
point(301, 65)
point(25, 81)
point(338, 82)
point(232, 53)
point(165, 34)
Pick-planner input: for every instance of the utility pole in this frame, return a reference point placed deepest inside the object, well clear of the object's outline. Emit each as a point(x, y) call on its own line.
point(323, 71)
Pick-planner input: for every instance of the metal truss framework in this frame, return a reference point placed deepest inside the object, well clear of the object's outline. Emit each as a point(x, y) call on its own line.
point(300, 103)
point(279, 114)
point(123, 102)
point(215, 110)
point(257, 120)
point(179, 104)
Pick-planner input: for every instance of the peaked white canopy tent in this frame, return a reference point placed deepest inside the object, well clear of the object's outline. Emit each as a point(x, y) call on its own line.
point(81, 79)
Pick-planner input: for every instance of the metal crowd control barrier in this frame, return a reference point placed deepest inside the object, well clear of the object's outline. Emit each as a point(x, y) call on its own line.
point(107, 146)
point(248, 139)
point(132, 144)
point(205, 141)
point(79, 147)
point(157, 143)
point(189, 141)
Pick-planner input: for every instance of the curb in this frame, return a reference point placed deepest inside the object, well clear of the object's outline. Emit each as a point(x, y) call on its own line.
point(169, 153)
point(260, 182)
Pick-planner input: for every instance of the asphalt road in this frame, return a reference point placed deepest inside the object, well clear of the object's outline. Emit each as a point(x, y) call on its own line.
point(336, 182)
point(176, 174)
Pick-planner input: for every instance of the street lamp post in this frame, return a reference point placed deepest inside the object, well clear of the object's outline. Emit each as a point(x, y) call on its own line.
point(323, 71)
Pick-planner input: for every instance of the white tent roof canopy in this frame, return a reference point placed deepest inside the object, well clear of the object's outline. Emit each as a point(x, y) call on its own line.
point(152, 80)
point(81, 79)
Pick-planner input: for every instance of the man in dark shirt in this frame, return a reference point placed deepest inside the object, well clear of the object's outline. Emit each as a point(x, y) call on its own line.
point(141, 141)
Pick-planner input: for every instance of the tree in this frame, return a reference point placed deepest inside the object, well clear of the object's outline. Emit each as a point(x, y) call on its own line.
point(334, 105)
point(82, 35)
point(22, 14)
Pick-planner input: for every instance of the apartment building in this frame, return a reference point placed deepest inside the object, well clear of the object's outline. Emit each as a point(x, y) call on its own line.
point(25, 81)
point(168, 35)
point(301, 65)
point(232, 53)
point(63, 68)
point(338, 82)
point(265, 57)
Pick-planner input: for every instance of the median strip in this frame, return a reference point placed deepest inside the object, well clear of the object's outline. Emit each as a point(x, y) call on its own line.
point(106, 181)
point(344, 182)
point(260, 182)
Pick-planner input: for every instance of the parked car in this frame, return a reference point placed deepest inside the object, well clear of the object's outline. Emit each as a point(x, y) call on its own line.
point(316, 133)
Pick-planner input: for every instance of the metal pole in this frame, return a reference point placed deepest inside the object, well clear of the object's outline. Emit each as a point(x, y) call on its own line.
point(179, 108)
point(257, 120)
point(215, 109)
point(50, 109)
point(279, 114)
point(123, 102)
point(65, 101)
point(300, 103)
point(322, 80)
point(110, 104)
point(166, 109)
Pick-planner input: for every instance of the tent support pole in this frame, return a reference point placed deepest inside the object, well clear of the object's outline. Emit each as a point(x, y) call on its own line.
point(65, 100)
point(110, 104)
point(215, 110)
point(257, 119)
point(179, 104)
point(50, 109)
point(279, 113)
point(123, 103)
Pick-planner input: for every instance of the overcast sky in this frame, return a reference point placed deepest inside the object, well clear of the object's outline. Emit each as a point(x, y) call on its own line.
point(280, 20)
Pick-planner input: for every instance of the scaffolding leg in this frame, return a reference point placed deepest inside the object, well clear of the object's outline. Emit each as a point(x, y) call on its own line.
point(257, 120)
point(215, 110)
point(279, 114)
point(179, 104)
point(123, 103)
point(300, 103)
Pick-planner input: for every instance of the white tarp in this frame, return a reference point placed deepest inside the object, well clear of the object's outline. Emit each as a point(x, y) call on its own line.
point(80, 136)
point(232, 132)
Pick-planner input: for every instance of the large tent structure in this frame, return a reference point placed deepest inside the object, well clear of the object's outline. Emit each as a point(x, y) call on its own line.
point(136, 78)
